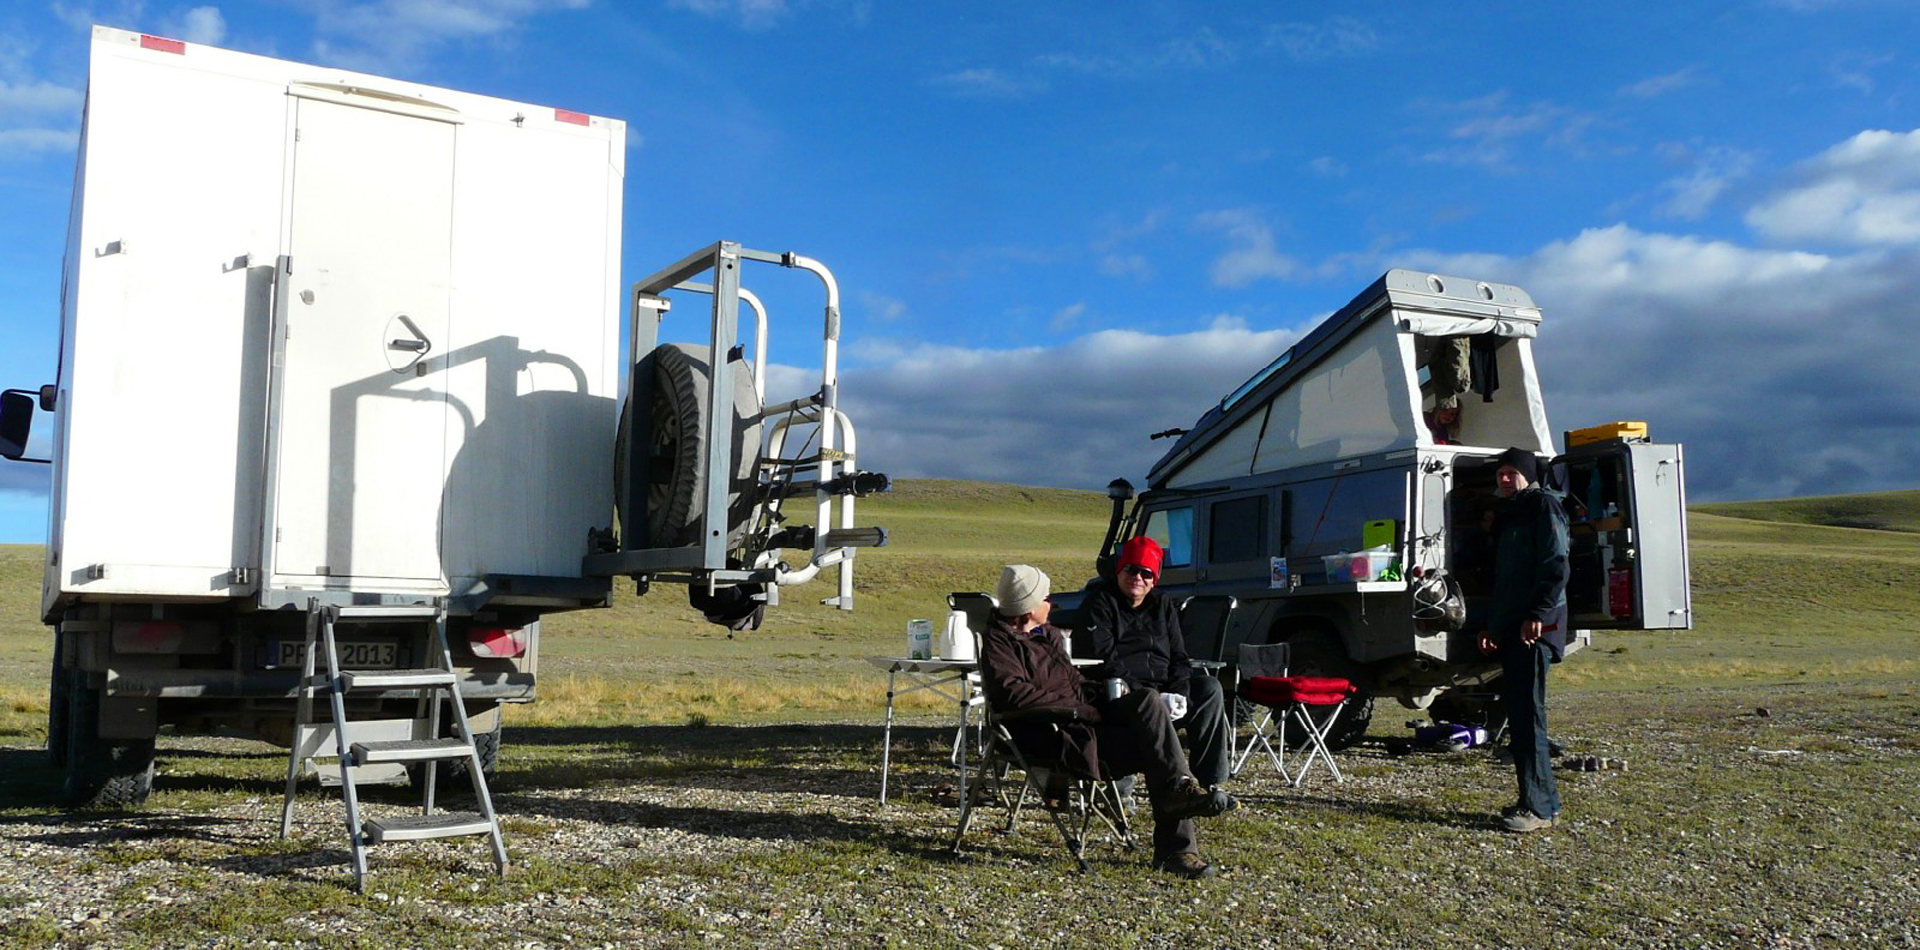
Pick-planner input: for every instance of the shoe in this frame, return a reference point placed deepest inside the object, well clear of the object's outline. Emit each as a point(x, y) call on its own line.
point(1512, 810)
point(1525, 822)
point(1187, 865)
point(1187, 799)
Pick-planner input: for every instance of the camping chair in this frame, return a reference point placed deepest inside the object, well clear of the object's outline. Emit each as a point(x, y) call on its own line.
point(1089, 797)
point(1264, 680)
point(1203, 624)
point(978, 607)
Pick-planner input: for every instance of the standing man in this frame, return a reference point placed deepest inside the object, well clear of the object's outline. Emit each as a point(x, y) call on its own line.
point(1135, 630)
point(1526, 627)
point(1025, 669)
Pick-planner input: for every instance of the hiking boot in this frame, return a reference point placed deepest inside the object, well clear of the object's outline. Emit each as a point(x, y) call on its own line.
point(1188, 799)
point(1526, 822)
point(1512, 810)
point(1187, 865)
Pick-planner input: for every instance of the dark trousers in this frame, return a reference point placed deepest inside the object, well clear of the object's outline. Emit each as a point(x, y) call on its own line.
point(1206, 730)
point(1523, 684)
point(1137, 735)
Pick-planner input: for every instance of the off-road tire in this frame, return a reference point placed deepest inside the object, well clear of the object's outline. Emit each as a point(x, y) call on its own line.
point(455, 771)
point(59, 711)
point(682, 379)
point(1461, 708)
point(102, 773)
point(1317, 651)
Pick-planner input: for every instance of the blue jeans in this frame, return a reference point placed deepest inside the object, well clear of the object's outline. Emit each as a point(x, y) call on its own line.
point(1523, 684)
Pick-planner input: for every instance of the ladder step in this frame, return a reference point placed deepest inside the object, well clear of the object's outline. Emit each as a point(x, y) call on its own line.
point(395, 679)
point(411, 750)
point(422, 827)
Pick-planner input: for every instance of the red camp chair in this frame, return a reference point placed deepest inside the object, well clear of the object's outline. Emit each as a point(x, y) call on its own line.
point(1313, 703)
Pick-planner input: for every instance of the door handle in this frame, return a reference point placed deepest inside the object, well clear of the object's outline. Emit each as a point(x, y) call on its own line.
point(419, 344)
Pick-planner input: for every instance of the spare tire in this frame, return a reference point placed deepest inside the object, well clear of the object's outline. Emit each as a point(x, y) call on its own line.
point(682, 379)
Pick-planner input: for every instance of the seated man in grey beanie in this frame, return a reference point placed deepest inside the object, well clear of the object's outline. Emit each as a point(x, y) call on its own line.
point(1024, 667)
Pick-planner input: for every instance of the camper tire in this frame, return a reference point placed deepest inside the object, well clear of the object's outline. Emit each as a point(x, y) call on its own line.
point(682, 381)
point(101, 772)
point(1318, 651)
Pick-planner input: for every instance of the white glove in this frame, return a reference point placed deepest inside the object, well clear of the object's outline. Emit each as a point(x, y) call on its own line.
point(1176, 705)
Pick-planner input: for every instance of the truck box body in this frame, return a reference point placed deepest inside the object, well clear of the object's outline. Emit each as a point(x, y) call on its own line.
point(328, 333)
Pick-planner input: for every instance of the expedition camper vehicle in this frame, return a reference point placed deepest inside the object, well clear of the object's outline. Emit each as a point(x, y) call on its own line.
point(343, 349)
point(1317, 495)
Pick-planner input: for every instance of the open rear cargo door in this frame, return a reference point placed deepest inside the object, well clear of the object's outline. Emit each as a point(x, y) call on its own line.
point(1627, 504)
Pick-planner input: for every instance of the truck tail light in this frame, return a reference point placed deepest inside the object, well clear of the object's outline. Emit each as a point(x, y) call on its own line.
point(1620, 592)
point(500, 643)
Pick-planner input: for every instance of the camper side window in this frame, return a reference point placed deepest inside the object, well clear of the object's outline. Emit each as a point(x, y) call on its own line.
point(1236, 530)
point(1173, 529)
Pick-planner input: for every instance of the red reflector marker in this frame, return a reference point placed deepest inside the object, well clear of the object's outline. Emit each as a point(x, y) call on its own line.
point(574, 118)
point(497, 642)
point(162, 44)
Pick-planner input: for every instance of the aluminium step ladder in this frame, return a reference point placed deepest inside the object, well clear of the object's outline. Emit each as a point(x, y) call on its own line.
point(370, 750)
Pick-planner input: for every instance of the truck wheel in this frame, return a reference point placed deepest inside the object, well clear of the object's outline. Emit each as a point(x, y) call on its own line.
point(1318, 651)
point(455, 770)
point(102, 773)
point(682, 380)
point(58, 711)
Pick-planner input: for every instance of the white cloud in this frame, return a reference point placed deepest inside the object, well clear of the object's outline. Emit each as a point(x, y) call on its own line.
point(1333, 38)
point(1784, 372)
point(390, 35)
point(749, 14)
point(1690, 196)
point(1864, 191)
point(1326, 166)
point(203, 25)
point(1067, 317)
point(1203, 49)
point(1486, 130)
point(1654, 87)
point(882, 307)
point(1073, 415)
point(36, 116)
point(1252, 255)
point(986, 83)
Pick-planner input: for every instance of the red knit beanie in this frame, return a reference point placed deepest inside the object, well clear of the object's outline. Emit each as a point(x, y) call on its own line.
point(1143, 551)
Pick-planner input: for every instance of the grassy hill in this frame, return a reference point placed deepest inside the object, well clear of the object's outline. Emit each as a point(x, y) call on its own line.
point(1780, 595)
point(1881, 511)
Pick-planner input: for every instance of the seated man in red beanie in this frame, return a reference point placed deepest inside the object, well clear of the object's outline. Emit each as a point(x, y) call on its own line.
point(1024, 668)
point(1136, 630)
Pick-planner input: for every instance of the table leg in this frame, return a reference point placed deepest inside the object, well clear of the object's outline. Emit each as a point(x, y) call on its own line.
point(961, 739)
point(886, 741)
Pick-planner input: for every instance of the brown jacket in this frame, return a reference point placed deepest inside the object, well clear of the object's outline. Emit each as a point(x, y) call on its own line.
point(1028, 672)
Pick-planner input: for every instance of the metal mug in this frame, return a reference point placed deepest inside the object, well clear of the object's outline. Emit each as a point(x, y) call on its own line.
point(1116, 688)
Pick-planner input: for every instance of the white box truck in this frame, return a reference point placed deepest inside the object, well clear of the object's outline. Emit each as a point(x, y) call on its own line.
point(324, 337)
point(333, 345)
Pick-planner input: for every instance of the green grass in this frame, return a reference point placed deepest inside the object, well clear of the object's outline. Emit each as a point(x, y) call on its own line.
point(1883, 511)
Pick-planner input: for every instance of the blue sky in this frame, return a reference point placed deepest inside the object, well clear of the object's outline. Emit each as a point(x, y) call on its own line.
point(1059, 227)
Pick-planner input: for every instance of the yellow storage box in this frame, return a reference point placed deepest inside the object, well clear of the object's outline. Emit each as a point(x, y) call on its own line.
point(1629, 431)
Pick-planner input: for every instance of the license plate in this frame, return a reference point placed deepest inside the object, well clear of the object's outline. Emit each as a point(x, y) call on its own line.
point(354, 654)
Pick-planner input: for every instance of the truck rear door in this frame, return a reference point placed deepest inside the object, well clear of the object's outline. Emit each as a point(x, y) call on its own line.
point(1627, 509)
point(360, 430)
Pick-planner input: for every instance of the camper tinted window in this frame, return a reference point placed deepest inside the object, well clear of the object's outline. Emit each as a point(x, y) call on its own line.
point(1237, 530)
point(1173, 529)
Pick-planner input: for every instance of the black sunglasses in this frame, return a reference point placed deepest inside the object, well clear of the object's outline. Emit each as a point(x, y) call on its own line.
point(1138, 571)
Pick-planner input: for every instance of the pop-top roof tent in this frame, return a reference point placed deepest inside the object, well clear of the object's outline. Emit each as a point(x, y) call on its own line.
point(1354, 386)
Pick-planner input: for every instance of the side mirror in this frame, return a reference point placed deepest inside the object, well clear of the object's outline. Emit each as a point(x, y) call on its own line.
point(16, 423)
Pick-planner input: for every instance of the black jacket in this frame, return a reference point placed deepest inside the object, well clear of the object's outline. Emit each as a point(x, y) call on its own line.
point(1141, 645)
point(1530, 567)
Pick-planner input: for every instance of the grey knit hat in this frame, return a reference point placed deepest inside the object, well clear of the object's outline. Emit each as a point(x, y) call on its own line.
point(1022, 588)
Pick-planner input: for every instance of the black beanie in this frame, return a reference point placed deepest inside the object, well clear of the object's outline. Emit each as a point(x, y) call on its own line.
point(1524, 462)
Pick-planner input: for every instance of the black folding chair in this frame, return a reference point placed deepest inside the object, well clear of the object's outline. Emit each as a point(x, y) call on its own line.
point(1203, 624)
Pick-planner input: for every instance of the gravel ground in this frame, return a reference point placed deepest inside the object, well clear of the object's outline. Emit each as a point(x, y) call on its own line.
point(1797, 828)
